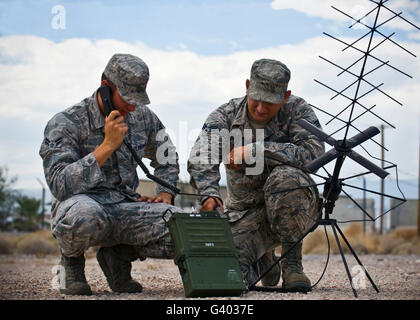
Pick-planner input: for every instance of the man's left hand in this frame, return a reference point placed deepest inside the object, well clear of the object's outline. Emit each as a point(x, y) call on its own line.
point(161, 197)
point(237, 158)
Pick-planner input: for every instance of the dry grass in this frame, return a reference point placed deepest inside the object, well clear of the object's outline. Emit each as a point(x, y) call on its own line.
point(6, 245)
point(400, 241)
point(38, 243)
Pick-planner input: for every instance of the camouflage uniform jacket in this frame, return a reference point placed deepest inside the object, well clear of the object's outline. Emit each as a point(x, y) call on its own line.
point(284, 142)
point(70, 167)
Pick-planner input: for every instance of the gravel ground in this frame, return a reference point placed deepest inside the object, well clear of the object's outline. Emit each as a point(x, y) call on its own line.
point(24, 277)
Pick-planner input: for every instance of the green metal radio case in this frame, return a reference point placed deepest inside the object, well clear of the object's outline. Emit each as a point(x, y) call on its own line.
point(206, 254)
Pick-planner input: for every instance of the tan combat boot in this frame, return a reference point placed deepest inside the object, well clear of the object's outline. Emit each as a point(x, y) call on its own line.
point(115, 262)
point(73, 282)
point(272, 278)
point(293, 276)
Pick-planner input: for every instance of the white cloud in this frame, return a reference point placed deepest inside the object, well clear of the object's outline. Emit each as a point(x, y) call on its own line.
point(39, 78)
point(356, 9)
point(414, 36)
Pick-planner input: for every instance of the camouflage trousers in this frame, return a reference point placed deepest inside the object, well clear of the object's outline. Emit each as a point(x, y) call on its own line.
point(283, 218)
point(81, 222)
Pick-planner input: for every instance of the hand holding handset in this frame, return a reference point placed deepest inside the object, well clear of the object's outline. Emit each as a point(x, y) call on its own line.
point(106, 97)
point(115, 126)
point(106, 94)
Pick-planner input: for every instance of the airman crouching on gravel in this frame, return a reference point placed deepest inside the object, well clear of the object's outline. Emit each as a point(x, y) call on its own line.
point(262, 215)
point(92, 174)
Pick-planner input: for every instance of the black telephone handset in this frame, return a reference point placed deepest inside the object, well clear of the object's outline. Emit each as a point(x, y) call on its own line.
point(106, 96)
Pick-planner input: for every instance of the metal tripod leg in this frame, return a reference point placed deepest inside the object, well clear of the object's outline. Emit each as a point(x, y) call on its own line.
point(357, 258)
point(333, 226)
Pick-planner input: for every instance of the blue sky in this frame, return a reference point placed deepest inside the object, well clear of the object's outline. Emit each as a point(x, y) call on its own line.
point(205, 27)
point(199, 52)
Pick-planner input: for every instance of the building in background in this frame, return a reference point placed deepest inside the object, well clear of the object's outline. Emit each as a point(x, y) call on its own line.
point(347, 212)
point(405, 215)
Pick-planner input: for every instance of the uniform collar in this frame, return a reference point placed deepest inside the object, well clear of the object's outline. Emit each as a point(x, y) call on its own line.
point(241, 117)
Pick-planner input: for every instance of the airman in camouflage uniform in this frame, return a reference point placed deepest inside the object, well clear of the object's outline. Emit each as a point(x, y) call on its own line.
point(262, 213)
point(93, 177)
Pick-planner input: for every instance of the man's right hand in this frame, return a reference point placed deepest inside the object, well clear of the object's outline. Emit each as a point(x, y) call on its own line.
point(210, 205)
point(115, 130)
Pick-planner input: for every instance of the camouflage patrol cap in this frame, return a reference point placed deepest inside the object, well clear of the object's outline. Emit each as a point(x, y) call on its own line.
point(130, 74)
point(268, 82)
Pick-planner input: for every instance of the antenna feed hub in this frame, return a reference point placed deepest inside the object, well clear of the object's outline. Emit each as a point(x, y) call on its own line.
point(341, 146)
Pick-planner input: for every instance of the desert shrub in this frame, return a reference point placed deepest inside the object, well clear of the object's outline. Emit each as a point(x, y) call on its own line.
point(400, 241)
point(37, 246)
point(405, 233)
point(353, 230)
point(315, 242)
point(40, 242)
point(387, 244)
point(406, 248)
point(6, 245)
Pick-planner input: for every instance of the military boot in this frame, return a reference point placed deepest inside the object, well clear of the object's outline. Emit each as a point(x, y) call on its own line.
point(293, 276)
point(73, 282)
point(272, 278)
point(115, 262)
